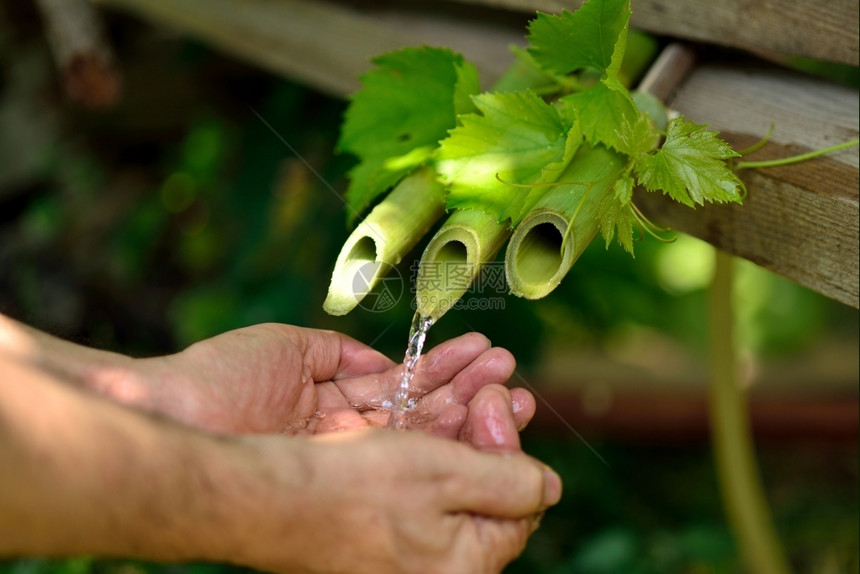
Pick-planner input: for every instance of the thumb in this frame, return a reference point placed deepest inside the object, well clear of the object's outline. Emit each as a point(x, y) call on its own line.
point(503, 486)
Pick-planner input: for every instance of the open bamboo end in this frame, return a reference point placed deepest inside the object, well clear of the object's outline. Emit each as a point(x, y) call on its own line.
point(450, 263)
point(535, 262)
point(358, 269)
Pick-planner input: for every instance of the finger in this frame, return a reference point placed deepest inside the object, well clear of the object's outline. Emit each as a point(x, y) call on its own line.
point(524, 407)
point(490, 425)
point(488, 544)
point(450, 422)
point(329, 355)
point(444, 361)
point(512, 486)
point(434, 370)
point(494, 366)
point(504, 540)
point(358, 359)
point(361, 374)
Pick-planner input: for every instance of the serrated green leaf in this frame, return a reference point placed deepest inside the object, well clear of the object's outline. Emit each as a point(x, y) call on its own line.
point(636, 137)
point(587, 38)
point(513, 138)
point(468, 84)
point(690, 166)
point(652, 108)
point(524, 74)
point(600, 110)
point(408, 101)
point(367, 180)
point(623, 189)
point(523, 203)
point(618, 51)
point(616, 219)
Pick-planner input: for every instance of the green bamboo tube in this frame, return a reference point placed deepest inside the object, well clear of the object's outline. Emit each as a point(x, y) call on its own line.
point(467, 241)
point(538, 256)
point(379, 242)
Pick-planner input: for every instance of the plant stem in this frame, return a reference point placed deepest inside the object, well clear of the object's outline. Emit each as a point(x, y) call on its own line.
point(538, 256)
point(794, 158)
point(743, 496)
point(467, 241)
point(379, 242)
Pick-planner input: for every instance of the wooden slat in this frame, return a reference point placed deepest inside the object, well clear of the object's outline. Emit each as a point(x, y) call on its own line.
point(800, 221)
point(820, 29)
point(324, 44)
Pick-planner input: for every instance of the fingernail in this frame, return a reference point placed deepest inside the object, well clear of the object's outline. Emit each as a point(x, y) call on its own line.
point(551, 487)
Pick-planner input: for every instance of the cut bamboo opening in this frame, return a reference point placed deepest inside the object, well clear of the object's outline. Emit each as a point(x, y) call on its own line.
point(379, 242)
point(554, 234)
point(455, 256)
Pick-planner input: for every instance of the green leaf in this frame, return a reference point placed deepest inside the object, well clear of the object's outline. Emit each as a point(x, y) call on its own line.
point(408, 101)
point(690, 166)
point(523, 203)
point(592, 37)
point(525, 74)
point(601, 109)
point(468, 84)
point(637, 137)
point(614, 216)
point(623, 189)
point(513, 138)
point(617, 60)
point(367, 181)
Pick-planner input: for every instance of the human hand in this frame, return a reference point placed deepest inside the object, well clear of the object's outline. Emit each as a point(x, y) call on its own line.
point(276, 378)
point(370, 501)
point(435, 506)
point(356, 501)
point(271, 501)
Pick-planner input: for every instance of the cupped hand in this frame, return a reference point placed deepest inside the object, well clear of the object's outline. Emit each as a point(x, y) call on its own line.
point(388, 502)
point(276, 378)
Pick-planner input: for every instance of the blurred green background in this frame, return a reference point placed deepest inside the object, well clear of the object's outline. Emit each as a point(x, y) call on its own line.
point(179, 214)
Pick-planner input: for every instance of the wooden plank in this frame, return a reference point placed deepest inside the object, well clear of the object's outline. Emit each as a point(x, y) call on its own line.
point(820, 29)
point(800, 221)
point(324, 44)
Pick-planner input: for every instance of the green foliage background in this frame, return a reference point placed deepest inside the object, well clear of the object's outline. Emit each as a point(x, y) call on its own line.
point(180, 214)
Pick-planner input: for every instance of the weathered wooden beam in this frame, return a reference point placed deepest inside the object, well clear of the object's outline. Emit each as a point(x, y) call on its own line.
point(800, 221)
point(820, 29)
point(325, 44)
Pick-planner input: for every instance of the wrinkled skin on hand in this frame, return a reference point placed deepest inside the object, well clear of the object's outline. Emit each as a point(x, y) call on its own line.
point(397, 502)
point(360, 500)
point(248, 381)
point(409, 503)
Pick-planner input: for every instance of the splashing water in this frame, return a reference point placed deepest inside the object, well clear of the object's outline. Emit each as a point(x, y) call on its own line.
point(402, 403)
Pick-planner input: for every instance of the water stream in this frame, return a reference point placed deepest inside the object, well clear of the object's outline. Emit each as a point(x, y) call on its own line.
point(402, 403)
